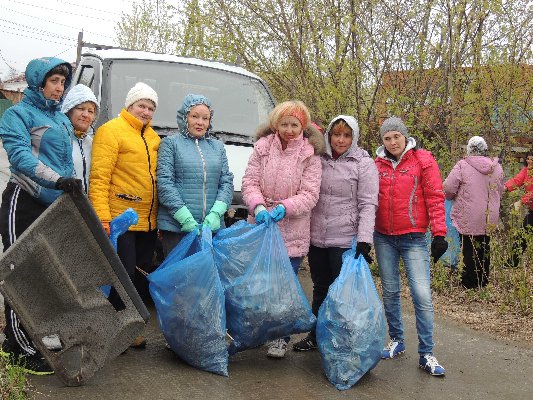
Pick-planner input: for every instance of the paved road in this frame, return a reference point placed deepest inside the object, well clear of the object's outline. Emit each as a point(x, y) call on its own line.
point(477, 368)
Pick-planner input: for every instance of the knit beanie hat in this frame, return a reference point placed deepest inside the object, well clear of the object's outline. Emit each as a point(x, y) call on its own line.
point(138, 92)
point(393, 124)
point(476, 146)
point(77, 95)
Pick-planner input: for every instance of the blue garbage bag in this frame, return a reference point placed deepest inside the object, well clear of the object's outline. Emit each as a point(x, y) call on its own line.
point(234, 249)
point(265, 301)
point(121, 224)
point(189, 300)
point(117, 227)
point(350, 328)
point(451, 257)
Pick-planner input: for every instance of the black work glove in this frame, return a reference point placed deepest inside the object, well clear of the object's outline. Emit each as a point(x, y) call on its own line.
point(69, 185)
point(439, 245)
point(364, 249)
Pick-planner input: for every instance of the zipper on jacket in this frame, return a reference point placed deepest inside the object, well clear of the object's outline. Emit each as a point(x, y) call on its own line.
point(390, 201)
point(151, 178)
point(411, 197)
point(84, 161)
point(204, 176)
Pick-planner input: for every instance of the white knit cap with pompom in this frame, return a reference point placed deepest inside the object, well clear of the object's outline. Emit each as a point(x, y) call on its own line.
point(476, 146)
point(138, 92)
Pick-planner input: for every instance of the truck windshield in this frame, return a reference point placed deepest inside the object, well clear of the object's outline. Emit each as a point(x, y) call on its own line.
point(240, 103)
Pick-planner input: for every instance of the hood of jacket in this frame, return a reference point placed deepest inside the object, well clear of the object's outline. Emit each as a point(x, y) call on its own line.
point(482, 164)
point(410, 144)
point(189, 102)
point(352, 123)
point(35, 73)
point(313, 135)
point(77, 95)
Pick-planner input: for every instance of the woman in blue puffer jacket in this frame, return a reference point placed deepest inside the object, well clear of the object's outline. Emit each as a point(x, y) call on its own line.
point(36, 136)
point(194, 183)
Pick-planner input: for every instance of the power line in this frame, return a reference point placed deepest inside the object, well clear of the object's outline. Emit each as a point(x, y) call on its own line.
point(5, 61)
point(36, 30)
point(33, 37)
point(63, 11)
point(64, 51)
point(88, 8)
point(56, 23)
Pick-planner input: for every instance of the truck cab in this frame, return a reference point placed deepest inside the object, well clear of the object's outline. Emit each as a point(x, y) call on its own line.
point(241, 100)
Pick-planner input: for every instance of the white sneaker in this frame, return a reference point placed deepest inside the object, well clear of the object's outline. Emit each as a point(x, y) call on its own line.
point(277, 349)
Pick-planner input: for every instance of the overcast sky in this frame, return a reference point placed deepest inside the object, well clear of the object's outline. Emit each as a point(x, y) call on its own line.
point(30, 29)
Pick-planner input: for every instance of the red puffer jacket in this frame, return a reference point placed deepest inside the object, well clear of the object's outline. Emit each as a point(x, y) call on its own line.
point(410, 196)
point(523, 178)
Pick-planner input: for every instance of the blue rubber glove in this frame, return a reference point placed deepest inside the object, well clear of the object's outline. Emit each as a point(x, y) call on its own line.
point(278, 213)
point(261, 215)
point(185, 218)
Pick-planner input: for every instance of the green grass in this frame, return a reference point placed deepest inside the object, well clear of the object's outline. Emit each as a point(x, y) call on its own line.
point(510, 289)
point(13, 383)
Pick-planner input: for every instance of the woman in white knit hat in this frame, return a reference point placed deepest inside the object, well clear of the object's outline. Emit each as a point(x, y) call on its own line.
point(81, 107)
point(476, 184)
point(123, 175)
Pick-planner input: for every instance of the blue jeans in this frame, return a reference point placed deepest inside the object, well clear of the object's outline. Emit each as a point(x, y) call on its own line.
point(413, 249)
point(295, 263)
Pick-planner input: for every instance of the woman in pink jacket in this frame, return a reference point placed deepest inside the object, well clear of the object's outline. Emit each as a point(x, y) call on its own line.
point(476, 185)
point(523, 178)
point(410, 199)
point(283, 176)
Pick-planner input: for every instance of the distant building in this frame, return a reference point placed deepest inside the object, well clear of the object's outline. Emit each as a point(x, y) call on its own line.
point(492, 101)
point(12, 88)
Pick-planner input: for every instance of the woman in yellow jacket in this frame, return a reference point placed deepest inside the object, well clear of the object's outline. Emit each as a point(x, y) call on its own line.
point(123, 175)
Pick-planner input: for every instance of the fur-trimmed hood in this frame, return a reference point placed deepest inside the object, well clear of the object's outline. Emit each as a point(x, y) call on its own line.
point(313, 135)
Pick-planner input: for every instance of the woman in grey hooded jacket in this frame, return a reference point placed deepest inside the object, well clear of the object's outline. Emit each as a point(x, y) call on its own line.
point(346, 209)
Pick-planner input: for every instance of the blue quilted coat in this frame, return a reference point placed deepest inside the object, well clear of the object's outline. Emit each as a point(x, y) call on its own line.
point(191, 172)
point(37, 136)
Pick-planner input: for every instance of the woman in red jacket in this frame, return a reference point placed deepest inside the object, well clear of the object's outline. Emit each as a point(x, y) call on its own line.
point(523, 178)
point(410, 199)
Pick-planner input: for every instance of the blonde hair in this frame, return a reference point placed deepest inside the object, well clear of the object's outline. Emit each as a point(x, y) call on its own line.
point(293, 108)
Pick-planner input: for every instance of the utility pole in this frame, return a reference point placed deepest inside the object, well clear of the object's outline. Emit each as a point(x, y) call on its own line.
point(80, 45)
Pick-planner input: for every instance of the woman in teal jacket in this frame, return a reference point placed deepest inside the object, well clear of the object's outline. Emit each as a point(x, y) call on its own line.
point(194, 183)
point(37, 138)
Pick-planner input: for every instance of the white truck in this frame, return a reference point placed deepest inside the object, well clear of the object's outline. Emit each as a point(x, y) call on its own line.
point(241, 99)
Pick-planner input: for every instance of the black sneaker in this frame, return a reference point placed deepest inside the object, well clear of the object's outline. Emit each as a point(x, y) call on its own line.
point(308, 343)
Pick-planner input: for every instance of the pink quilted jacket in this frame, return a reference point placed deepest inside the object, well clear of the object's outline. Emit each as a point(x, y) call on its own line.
point(290, 177)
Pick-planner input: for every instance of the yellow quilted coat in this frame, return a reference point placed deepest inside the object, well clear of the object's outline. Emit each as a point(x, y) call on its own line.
point(123, 171)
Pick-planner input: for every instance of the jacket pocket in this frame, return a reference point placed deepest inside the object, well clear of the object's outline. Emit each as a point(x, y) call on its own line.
point(128, 197)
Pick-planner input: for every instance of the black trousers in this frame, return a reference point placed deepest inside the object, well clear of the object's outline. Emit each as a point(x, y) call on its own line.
point(476, 258)
point(135, 249)
point(17, 213)
point(325, 265)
